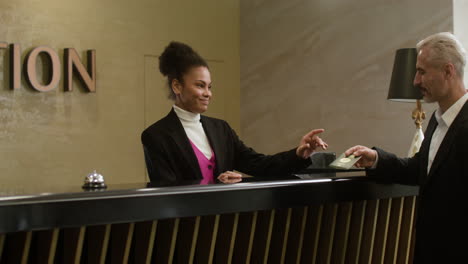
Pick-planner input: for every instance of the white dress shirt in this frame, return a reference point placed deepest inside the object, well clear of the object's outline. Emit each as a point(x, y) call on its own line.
point(444, 121)
point(194, 130)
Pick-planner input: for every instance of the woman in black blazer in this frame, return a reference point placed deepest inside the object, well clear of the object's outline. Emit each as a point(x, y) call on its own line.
point(186, 146)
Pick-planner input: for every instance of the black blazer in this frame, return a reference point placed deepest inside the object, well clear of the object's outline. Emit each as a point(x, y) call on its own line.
point(172, 158)
point(443, 205)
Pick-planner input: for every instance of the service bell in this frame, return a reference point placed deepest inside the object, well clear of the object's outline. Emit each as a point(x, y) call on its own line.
point(94, 180)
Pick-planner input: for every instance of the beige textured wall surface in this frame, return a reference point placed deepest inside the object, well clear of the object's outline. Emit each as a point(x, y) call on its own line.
point(57, 138)
point(460, 28)
point(327, 64)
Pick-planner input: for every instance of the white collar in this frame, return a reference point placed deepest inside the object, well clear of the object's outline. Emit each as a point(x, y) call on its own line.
point(186, 115)
point(452, 112)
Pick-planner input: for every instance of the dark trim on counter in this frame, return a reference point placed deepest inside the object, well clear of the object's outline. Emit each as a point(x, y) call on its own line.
point(46, 211)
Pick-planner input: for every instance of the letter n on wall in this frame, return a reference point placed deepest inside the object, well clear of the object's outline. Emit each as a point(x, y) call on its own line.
point(73, 62)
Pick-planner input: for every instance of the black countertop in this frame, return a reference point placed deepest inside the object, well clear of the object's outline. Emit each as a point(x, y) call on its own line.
point(37, 208)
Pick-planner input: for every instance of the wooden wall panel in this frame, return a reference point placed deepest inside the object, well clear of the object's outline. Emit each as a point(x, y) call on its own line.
point(206, 242)
point(244, 238)
point(143, 242)
point(120, 242)
point(355, 232)
point(368, 235)
point(373, 231)
point(45, 246)
point(340, 243)
point(394, 230)
point(2, 243)
point(327, 233)
point(97, 243)
point(312, 234)
point(406, 233)
point(296, 235)
point(381, 232)
point(279, 236)
point(186, 239)
point(70, 245)
point(262, 237)
point(226, 237)
point(16, 248)
point(165, 240)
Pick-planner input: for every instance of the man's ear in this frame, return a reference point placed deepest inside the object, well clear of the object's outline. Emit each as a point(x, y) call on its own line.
point(449, 70)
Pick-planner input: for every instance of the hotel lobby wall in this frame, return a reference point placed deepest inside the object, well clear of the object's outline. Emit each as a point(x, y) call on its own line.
point(328, 64)
point(58, 137)
point(460, 22)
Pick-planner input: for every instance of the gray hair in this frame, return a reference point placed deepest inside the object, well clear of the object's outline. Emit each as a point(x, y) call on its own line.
point(445, 48)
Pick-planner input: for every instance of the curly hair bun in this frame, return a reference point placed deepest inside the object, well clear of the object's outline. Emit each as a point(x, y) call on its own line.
point(178, 58)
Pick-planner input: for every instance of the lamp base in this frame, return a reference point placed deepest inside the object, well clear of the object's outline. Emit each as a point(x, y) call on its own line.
point(418, 115)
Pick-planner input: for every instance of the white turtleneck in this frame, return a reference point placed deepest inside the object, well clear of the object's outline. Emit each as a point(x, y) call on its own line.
point(194, 130)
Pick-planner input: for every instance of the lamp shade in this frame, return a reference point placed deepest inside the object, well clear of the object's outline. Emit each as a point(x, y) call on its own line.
point(404, 70)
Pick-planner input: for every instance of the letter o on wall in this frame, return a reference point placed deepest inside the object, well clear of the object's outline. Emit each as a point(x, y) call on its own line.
point(32, 73)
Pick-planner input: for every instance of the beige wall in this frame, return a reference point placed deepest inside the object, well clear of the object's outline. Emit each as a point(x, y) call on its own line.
point(460, 22)
point(57, 138)
point(327, 64)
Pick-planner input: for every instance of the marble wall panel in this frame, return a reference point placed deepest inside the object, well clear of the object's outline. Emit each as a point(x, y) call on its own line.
point(327, 64)
point(460, 22)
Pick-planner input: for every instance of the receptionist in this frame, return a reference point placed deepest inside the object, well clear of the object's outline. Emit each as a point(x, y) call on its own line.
point(186, 146)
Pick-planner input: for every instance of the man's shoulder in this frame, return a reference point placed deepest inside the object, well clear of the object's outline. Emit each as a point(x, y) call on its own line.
point(463, 118)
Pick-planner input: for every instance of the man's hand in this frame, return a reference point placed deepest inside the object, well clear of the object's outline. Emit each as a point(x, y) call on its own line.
point(309, 143)
point(368, 156)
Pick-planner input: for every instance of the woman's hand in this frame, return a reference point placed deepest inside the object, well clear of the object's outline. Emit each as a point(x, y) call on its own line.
point(229, 177)
point(309, 143)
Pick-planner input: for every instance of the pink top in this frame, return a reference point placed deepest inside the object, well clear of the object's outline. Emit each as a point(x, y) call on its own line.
point(207, 166)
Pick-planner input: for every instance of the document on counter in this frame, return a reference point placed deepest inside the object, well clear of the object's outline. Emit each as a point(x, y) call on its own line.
point(343, 162)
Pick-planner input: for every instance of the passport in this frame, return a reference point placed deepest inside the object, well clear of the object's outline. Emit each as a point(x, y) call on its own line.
point(343, 162)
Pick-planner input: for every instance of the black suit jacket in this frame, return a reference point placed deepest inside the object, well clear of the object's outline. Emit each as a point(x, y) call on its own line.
point(442, 205)
point(172, 159)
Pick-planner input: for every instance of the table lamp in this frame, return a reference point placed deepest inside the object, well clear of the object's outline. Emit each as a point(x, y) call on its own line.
point(403, 90)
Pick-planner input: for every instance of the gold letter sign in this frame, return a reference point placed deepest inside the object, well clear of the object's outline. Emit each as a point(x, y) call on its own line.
point(88, 78)
point(32, 73)
point(72, 64)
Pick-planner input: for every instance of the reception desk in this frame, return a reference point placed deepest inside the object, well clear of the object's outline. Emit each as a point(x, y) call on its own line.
point(351, 219)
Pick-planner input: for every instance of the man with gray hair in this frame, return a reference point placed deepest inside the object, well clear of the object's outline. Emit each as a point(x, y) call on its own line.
point(440, 167)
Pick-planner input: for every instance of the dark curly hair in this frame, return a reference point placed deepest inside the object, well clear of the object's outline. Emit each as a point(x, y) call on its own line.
point(176, 60)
